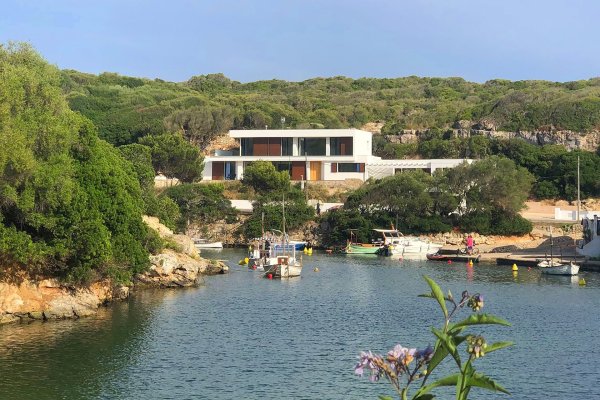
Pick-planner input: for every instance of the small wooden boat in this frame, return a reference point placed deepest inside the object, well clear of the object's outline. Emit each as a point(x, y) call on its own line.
point(454, 258)
point(552, 267)
point(362, 248)
point(353, 247)
point(557, 268)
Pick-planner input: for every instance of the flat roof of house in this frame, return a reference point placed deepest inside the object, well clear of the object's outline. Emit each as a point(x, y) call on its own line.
point(312, 133)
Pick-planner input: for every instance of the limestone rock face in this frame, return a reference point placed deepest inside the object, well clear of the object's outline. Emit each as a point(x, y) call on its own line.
point(171, 269)
point(49, 299)
point(487, 127)
point(185, 243)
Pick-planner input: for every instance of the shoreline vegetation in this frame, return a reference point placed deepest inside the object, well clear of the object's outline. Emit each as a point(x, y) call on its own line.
point(80, 153)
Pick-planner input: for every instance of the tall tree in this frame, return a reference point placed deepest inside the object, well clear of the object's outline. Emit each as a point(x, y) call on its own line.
point(175, 157)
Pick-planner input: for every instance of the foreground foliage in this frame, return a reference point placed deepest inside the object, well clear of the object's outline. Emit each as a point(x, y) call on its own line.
point(403, 367)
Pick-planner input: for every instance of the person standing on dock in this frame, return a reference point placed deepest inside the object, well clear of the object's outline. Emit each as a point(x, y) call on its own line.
point(470, 244)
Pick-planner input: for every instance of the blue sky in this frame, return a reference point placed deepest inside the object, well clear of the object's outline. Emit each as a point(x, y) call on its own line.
point(301, 39)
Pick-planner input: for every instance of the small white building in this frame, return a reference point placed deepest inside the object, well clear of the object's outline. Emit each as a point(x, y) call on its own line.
point(589, 246)
point(311, 154)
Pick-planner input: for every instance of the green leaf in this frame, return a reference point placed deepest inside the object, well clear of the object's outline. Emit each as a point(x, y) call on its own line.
point(437, 294)
point(482, 381)
point(478, 319)
point(460, 390)
point(450, 380)
point(441, 352)
point(427, 396)
point(497, 346)
point(386, 398)
point(449, 343)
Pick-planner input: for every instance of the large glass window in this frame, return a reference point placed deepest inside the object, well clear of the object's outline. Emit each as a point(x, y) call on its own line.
point(287, 146)
point(312, 147)
point(348, 167)
point(283, 166)
point(261, 146)
point(340, 146)
point(246, 144)
point(229, 171)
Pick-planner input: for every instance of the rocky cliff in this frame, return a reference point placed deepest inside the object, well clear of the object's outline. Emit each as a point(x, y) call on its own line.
point(571, 140)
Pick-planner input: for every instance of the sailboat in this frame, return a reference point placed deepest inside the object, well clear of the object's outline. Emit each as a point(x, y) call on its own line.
point(553, 267)
point(282, 261)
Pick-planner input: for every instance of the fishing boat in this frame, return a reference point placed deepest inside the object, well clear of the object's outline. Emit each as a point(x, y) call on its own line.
point(281, 261)
point(557, 268)
point(394, 243)
point(353, 247)
point(207, 244)
point(553, 267)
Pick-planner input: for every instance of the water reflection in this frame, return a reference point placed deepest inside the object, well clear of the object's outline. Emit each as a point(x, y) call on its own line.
point(243, 336)
point(72, 358)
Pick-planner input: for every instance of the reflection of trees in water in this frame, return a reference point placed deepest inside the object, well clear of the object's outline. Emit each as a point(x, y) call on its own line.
point(75, 359)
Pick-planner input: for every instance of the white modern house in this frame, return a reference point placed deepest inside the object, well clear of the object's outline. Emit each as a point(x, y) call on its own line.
point(311, 154)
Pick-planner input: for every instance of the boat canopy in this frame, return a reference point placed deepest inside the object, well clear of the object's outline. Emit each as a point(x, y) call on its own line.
point(391, 232)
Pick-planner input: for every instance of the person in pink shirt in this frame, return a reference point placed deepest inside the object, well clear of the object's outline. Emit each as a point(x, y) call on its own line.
point(470, 244)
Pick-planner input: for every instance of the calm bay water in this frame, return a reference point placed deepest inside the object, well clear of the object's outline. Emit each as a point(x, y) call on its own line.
point(241, 336)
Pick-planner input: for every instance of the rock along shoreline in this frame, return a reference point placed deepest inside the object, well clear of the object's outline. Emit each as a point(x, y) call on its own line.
point(24, 299)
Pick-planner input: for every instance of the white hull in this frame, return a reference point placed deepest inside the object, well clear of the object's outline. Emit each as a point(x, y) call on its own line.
point(415, 248)
point(209, 245)
point(285, 271)
point(558, 269)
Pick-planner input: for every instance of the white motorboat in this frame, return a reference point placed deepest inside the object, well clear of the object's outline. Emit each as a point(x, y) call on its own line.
point(206, 244)
point(396, 244)
point(553, 267)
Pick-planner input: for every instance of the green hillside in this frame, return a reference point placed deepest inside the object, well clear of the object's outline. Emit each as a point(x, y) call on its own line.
point(126, 108)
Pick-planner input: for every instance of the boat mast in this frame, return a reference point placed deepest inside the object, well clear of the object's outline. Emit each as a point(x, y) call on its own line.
point(551, 246)
point(578, 194)
point(283, 211)
point(262, 228)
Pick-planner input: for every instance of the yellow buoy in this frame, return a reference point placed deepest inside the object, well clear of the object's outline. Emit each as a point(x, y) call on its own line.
point(470, 263)
point(582, 282)
point(515, 268)
point(316, 269)
point(309, 251)
point(305, 250)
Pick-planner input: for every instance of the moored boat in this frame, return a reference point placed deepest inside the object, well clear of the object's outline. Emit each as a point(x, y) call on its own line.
point(557, 268)
point(362, 248)
point(283, 266)
point(552, 267)
point(354, 247)
point(206, 244)
point(396, 244)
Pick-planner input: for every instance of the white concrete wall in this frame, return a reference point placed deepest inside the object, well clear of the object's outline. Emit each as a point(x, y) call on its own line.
point(362, 143)
point(340, 176)
point(571, 215)
point(207, 173)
